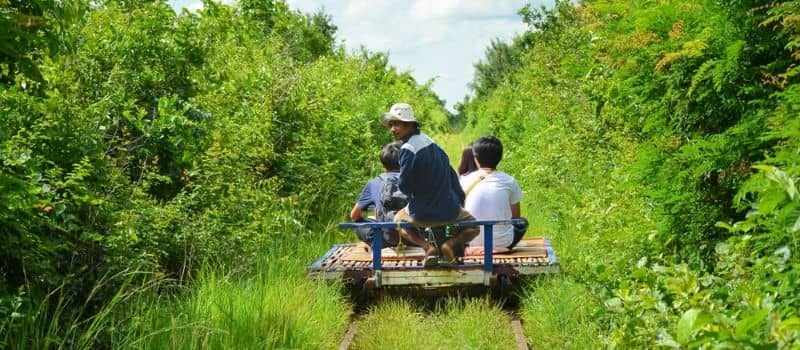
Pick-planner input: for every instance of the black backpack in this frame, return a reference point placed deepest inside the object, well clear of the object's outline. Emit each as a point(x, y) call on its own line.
point(392, 199)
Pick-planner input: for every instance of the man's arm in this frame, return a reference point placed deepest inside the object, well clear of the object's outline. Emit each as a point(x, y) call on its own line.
point(515, 211)
point(363, 202)
point(406, 177)
point(515, 199)
point(355, 214)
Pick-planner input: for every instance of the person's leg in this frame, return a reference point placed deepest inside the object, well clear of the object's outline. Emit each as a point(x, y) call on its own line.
point(519, 232)
point(415, 232)
point(461, 237)
point(390, 237)
point(412, 235)
point(364, 235)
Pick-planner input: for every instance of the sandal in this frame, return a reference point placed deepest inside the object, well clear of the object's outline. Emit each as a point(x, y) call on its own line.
point(449, 264)
point(431, 261)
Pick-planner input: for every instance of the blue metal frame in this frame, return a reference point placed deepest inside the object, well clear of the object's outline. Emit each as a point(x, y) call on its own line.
point(377, 242)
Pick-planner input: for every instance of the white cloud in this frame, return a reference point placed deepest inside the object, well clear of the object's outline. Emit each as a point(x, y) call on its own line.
point(445, 9)
point(363, 8)
point(194, 5)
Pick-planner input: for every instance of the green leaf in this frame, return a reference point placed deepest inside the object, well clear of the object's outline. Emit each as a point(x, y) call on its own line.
point(665, 340)
point(691, 321)
point(778, 176)
point(750, 323)
point(685, 324)
point(724, 225)
point(770, 201)
point(796, 226)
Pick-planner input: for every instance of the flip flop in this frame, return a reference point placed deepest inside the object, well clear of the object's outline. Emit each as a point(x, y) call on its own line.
point(431, 261)
point(448, 264)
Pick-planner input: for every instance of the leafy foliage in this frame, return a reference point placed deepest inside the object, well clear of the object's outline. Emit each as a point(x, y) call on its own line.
point(166, 141)
point(659, 143)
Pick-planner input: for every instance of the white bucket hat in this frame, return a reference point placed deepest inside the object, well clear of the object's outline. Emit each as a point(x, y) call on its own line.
point(400, 112)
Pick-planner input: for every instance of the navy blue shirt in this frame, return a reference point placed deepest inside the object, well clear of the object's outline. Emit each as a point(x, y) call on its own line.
point(434, 193)
point(371, 195)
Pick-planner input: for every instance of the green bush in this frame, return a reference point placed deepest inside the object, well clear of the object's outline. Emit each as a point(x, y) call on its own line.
point(657, 143)
point(169, 141)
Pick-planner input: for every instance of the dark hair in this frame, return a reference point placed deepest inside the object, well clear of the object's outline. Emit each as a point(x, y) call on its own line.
point(390, 156)
point(467, 163)
point(488, 150)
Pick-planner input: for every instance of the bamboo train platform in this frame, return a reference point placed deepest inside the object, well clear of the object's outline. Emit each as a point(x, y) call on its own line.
point(394, 268)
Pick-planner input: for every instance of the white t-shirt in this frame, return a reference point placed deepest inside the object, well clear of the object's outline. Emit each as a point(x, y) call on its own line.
point(491, 199)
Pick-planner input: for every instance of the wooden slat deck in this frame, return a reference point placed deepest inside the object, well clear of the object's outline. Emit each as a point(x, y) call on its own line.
point(530, 257)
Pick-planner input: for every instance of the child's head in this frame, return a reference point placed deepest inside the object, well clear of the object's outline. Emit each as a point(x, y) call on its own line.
point(390, 156)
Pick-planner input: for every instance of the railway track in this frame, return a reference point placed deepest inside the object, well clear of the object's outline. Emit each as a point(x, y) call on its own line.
point(515, 324)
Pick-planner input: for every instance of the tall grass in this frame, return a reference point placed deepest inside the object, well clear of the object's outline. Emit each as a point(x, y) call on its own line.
point(563, 311)
point(60, 322)
point(453, 324)
point(559, 314)
point(274, 306)
point(266, 304)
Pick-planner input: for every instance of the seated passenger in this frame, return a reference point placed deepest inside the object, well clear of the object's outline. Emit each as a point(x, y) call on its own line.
point(467, 164)
point(435, 196)
point(492, 195)
point(382, 193)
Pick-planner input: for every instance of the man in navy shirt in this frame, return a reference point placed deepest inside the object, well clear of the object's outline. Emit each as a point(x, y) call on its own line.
point(435, 197)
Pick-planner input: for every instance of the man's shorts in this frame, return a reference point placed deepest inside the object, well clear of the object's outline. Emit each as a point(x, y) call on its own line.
point(403, 215)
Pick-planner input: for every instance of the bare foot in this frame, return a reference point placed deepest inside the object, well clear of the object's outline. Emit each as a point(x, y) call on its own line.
point(364, 246)
point(473, 251)
point(500, 250)
point(430, 250)
point(479, 250)
point(447, 253)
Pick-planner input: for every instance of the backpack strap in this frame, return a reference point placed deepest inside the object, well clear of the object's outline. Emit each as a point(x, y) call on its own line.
point(475, 183)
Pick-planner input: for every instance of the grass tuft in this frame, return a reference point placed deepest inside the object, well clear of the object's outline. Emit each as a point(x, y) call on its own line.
point(454, 323)
point(558, 314)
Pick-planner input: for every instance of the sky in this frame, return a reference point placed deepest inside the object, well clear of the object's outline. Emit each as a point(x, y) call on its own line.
point(433, 39)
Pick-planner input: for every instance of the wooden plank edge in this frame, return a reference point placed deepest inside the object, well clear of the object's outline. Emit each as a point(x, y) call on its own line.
point(317, 265)
point(551, 253)
point(519, 334)
point(349, 336)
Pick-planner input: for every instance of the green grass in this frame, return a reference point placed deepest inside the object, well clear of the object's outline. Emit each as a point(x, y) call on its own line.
point(61, 322)
point(274, 306)
point(271, 304)
point(558, 314)
point(453, 324)
point(452, 144)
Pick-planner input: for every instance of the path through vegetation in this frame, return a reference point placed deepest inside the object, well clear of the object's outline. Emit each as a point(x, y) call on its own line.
point(167, 177)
